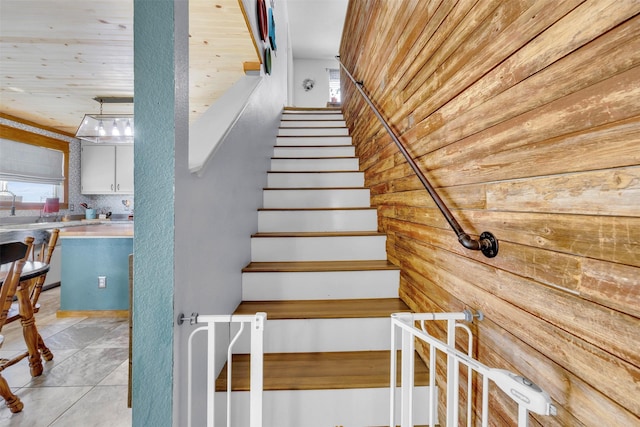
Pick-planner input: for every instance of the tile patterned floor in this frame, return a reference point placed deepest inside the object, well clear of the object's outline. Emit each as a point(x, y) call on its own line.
point(86, 382)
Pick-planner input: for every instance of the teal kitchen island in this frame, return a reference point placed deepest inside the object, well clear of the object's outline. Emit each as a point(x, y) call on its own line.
point(95, 270)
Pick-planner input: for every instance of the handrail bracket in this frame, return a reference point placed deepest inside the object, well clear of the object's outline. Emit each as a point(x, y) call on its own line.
point(488, 244)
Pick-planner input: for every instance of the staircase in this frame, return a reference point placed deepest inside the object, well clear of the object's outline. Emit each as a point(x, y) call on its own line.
point(319, 270)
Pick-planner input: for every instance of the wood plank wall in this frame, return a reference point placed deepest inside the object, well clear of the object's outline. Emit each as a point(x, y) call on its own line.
point(525, 114)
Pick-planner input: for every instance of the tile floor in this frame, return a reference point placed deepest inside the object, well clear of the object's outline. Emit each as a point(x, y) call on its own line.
point(86, 382)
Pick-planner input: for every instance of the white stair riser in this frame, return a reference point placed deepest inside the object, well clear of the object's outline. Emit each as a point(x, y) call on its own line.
point(302, 152)
point(330, 164)
point(312, 140)
point(312, 116)
point(323, 408)
point(347, 179)
point(334, 248)
point(316, 198)
point(320, 335)
point(310, 123)
point(280, 286)
point(313, 131)
point(320, 220)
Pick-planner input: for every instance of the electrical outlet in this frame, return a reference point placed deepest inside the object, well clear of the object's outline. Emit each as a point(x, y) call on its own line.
point(102, 282)
point(71, 207)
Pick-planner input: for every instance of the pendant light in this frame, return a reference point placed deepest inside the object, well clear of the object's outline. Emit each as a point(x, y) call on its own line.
point(121, 128)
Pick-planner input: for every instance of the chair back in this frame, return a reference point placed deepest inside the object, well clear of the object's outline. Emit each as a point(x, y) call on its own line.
point(44, 256)
point(14, 256)
point(13, 251)
point(46, 248)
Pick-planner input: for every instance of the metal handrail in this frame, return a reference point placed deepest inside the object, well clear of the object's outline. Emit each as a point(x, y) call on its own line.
point(487, 243)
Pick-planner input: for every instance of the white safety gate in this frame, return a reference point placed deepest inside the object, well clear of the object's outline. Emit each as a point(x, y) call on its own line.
point(525, 393)
point(256, 323)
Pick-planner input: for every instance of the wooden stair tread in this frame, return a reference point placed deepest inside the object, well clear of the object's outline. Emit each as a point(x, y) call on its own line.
point(333, 171)
point(314, 266)
point(314, 146)
point(314, 158)
point(318, 234)
point(312, 109)
point(319, 371)
point(314, 127)
point(346, 208)
point(324, 309)
point(310, 136)
point(317, 188)
point(289, 119)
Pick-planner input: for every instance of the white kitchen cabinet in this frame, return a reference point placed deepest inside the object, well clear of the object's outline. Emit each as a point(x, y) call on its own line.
point(124, 169)
point(106, 169)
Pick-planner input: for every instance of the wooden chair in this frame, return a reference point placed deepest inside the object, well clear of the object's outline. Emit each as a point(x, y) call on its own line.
point(35, 287)
point(44, 256)
point(13, 254)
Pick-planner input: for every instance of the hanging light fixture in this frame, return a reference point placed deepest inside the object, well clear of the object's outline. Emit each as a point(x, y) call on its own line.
point(93, 128)
point(114, 130)
point(101, 131)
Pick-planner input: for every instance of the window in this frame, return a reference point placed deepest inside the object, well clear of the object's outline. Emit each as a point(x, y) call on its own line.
point(30, 192)
point(334, 85)
point(33, 167)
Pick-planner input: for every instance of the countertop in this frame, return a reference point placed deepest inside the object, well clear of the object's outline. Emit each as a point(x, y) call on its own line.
point(98, 230)
point(40, 231)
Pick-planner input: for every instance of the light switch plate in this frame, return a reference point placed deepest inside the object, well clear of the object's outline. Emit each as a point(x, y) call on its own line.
point(102, 282)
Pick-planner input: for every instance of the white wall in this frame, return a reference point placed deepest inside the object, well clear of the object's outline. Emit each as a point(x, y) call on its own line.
point(216, 213)
point(315, 69)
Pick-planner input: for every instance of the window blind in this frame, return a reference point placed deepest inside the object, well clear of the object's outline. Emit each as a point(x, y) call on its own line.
point(30, 163)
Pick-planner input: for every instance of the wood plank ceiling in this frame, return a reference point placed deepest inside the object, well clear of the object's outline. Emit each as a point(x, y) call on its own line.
point(55, 57)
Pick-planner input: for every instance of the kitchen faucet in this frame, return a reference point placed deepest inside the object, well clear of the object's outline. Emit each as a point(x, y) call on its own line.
point(13, 201)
